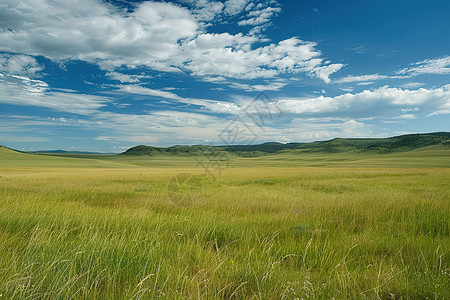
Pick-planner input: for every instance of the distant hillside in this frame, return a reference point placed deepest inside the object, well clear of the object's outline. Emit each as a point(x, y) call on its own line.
point(195, 149)
point(65, 152)
point(5, 149)
point(176, 150)
point(270, 147)
point(379, 145)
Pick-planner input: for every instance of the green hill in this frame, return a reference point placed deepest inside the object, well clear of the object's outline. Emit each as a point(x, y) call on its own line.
point(380, 145)
point(335, 153)
point(175, 150)
point(413, 150)
point(377, 145)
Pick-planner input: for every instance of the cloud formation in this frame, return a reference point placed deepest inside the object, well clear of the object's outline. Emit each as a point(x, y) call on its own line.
point(20, 90)
point(381, 102)
point(137, 89)
point(428, 66)
point(156, 35)
point(19, 64)
point(361, 78)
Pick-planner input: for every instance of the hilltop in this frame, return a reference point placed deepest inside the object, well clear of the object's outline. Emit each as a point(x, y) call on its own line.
point(430, 150)
point(376, 145)
point(4, 149)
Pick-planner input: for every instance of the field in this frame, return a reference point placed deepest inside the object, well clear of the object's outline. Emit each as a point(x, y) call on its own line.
point(276, 227)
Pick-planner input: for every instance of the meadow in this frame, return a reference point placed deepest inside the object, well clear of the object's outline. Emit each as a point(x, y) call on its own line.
point(354, 227)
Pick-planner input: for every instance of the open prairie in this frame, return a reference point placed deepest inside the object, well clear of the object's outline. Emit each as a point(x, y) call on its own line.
point(224, 149)
point(119, 228)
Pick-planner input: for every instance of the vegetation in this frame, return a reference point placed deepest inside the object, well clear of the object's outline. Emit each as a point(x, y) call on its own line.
point(379, 145)
point(348, 225)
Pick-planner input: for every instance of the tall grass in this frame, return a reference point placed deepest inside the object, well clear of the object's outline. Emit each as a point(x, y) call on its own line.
point(254, 233)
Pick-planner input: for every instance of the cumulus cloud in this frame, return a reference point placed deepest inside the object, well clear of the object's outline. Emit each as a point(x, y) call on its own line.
point(18, 64)
point(302, 119)
point(260, 15)
point(324, 72)
point(206, 10)
point(234, 7)
point(156, 35)
point(251, 13)
point(232, 56)
point(92, 30)
point(384, 101)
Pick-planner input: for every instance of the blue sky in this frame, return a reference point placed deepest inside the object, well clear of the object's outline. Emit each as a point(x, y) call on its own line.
point(91, 75)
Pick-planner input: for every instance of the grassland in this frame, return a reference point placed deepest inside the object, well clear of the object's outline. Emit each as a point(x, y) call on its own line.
point(312, 226)
point(429, 157)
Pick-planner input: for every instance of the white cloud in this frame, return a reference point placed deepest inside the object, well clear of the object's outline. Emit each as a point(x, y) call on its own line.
point(275, 86)
point(94, 31)
point(383, 101)
point(324, 72)
point(125, 78)
point(140, 90)
point(20, 90)
point(268, 85)
point(428, 66)
point(380, 102)
point(234, 7)
point(133, 138)
point(307, 129)
point(18, 64)
point(412, 85)
point(407, 116)
point(361, 78)
point(260, 16)
point(232, 56)
point(302, 119)
point(137, 89)
point(251, 13)
point(160, 127)
point(156, 35)
point(205, 10)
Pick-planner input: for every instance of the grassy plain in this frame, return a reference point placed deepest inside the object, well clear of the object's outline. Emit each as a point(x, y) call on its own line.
point(428, 157)
point(267, 228)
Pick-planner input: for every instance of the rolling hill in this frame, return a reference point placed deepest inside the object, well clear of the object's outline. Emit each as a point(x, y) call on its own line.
point(431, 150)
point(377, 145)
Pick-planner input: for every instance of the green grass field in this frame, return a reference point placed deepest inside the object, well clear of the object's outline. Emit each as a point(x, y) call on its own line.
point(287, 226)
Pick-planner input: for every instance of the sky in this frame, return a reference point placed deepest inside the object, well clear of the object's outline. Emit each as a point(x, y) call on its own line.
point(92, 75)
